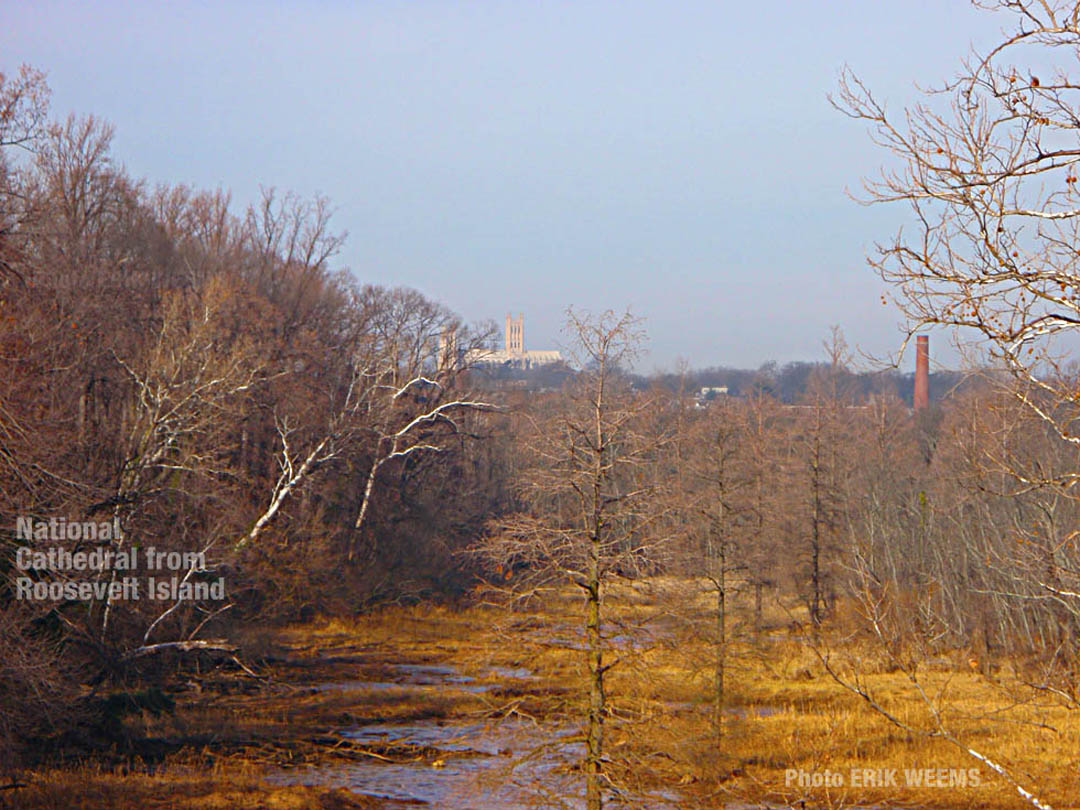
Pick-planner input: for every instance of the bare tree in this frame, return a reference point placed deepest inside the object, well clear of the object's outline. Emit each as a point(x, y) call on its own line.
point(819, 466)
point(414, 396)
point(720, 491)
point(24, 104)
point(988, 168)
point(761, 435)
point(587, 507)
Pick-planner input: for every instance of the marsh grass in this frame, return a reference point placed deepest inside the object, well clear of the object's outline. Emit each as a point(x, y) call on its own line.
point(783, 712)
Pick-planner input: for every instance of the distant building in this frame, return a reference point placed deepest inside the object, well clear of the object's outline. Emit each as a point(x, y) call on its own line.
point(449, 358)
point(514, 354)
point(709, 393)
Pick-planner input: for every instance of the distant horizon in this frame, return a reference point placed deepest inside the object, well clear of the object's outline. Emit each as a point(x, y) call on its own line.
point(528, 156)
point(858, 364)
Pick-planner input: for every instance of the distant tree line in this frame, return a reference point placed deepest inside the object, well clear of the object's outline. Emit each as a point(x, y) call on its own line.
point(790, 382)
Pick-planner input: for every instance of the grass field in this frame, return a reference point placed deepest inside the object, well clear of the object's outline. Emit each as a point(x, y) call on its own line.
point(784, 715)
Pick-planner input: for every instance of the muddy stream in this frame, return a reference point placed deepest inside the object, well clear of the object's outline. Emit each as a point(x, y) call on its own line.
point(466, 765)
point(460, 765)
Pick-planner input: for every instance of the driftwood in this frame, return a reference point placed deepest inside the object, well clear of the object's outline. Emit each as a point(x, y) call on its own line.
point(181, 646)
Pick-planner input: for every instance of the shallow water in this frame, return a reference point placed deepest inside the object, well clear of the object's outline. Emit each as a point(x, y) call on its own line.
point(485, 765)
point(349, 686)
point(512, 673)
point(510, 764)
point(418, 676)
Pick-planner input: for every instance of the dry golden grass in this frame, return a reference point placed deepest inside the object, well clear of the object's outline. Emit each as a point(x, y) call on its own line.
point(193, 786)
point(783, 712)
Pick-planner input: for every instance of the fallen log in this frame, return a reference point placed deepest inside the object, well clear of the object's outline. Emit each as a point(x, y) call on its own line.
point(219, 645)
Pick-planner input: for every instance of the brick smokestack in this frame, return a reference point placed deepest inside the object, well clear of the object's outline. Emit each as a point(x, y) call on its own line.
point(922, 372)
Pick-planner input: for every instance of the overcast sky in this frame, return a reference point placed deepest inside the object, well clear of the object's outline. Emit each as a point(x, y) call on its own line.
point(677, 158)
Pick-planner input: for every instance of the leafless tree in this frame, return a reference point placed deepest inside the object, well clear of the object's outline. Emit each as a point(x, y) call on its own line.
point(987, 166)
point(588, 506)
point(818, 469)
point(24, 104)
point(719, 487)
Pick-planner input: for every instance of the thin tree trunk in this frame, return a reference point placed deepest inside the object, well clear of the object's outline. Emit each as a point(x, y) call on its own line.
point(594, 799)
point(758, 587)
point(721, 638)
point(369, 487)
point(595, 734)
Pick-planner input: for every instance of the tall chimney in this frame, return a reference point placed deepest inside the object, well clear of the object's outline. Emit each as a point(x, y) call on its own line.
point(922, 372)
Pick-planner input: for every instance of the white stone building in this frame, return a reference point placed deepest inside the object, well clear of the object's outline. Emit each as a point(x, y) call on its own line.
point(514, 354)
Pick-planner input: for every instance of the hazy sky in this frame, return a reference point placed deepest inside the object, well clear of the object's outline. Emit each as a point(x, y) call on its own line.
point(677, 158)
